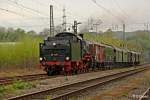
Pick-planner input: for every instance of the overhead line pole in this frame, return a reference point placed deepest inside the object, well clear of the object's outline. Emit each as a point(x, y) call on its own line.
point(50, 30)
point(51, 21)
point(96, 26)
point(75, 27)
point(147, 26)
point(124, 37)
point(64, 20)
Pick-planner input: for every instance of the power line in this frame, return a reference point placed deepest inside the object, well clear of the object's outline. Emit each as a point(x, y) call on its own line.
point(31, 25)
point(60, 9)
point(31, 9)
point(14, 5)
point(118, 10)
point(124, 12)
point(13, 12)
point(107, 10)
point(70, 13)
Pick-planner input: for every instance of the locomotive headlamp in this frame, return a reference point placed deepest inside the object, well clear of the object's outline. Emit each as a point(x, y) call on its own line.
point(41, 59)
point(54, 44)
point(67, 58)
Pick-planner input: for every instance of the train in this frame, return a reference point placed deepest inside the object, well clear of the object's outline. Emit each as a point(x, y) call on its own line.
point(68, 53)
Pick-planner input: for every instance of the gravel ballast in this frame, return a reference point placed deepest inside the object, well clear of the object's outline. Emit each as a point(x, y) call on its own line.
point(64, 80)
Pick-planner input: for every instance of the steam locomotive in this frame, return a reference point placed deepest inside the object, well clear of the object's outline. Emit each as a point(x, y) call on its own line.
point(68, 53)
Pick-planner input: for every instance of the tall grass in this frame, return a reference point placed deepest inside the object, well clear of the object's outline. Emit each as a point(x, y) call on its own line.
point(24, 54)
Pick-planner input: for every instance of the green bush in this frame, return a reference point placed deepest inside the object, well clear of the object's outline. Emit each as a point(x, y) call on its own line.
point(2, 89)
point(21, 85)
point(25, 53)
point(14, 87)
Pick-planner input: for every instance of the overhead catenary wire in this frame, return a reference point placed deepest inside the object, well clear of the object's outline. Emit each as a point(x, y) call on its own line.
point(69, 13)
point(62, 6)
point(59, 8)
point(107, 10)
point(21, 14)
point(14, 4)
point(21, 8)
point(13, 12)
point(42, 25)
point(120, 8)
point(124, 12)
point(31, 9)
point(118, 11)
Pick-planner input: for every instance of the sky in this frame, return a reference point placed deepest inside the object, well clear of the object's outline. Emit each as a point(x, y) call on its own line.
point(34, 14)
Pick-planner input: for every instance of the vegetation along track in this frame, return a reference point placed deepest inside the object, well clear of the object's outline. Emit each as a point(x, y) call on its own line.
point(10, 80)
point(67, 91)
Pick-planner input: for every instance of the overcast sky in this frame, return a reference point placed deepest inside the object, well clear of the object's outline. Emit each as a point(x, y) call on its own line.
point(34, 14)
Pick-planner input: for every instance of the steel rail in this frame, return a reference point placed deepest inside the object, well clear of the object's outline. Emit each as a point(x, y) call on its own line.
point(145, 95)
point(67, 91)
point(10, 80)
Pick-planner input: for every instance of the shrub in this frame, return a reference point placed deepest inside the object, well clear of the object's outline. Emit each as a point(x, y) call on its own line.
point(24, 53)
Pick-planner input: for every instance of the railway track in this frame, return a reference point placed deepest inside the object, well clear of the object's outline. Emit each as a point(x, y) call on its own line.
point(10, 80)
point(71, 90)
point(145, 95)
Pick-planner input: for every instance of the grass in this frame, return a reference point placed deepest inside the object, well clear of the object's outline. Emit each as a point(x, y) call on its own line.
point(14, 87)
point(24, 53)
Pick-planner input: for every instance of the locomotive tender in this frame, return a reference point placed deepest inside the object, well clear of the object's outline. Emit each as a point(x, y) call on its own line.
point(68, 53)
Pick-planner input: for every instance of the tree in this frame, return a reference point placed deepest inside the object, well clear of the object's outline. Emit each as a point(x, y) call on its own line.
point(2, 29)
point(32, 33)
